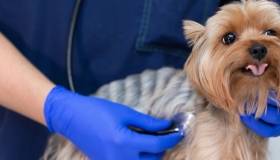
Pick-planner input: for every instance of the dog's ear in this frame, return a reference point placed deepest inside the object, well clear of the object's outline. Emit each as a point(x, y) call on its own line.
point(193, 31)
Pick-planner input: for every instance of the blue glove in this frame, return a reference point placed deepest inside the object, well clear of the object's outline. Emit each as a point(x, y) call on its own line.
point(99, 128)
point(268, 125)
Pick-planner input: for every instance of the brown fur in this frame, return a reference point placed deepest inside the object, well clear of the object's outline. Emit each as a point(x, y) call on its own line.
point(215, 69)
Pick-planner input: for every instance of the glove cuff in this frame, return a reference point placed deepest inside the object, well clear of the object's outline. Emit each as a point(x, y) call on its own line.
point(50, 108)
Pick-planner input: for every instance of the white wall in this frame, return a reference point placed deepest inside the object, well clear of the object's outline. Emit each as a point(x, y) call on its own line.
point(274, 149)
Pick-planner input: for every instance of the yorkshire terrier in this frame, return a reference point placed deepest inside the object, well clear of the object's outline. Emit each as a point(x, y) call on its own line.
point(234, 64)
point(233, 67)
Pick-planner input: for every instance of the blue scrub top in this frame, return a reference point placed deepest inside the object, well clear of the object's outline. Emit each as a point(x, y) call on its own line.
point(113, 39)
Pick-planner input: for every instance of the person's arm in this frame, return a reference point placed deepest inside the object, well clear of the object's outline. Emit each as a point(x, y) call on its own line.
point(98, 127)
point(23, 88)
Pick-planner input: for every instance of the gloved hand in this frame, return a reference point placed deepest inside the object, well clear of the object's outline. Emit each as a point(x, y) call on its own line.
point(99, 128)
point(268, 125)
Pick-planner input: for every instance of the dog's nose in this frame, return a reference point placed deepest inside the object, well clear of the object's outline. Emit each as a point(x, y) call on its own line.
point(258, 51)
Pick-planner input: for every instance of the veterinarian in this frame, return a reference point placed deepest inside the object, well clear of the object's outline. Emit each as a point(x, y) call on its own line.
point(82, 45)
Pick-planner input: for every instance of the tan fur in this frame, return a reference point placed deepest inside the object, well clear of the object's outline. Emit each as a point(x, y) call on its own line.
point(215, 68)
point(215, 71)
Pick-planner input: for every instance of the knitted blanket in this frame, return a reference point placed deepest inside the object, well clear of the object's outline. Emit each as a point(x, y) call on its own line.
point(161, 93)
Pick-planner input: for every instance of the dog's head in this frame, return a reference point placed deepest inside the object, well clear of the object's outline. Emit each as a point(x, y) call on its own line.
point(236, 55)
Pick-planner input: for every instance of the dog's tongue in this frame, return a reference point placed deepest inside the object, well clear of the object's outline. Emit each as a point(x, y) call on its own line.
point(257, 70)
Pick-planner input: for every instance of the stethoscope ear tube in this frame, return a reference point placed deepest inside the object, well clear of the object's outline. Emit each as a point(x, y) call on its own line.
point(69, 52)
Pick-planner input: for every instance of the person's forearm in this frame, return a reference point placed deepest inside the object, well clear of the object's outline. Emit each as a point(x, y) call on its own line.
point(23, 88)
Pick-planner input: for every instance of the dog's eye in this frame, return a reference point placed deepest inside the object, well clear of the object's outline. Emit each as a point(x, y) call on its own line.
point(229, 38)
point(270, 32)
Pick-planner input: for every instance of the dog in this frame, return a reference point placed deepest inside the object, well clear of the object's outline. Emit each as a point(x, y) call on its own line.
point(233, 67)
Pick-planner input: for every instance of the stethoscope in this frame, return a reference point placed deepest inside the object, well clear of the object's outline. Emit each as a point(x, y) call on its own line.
point(70, 44)
point(179, 124)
